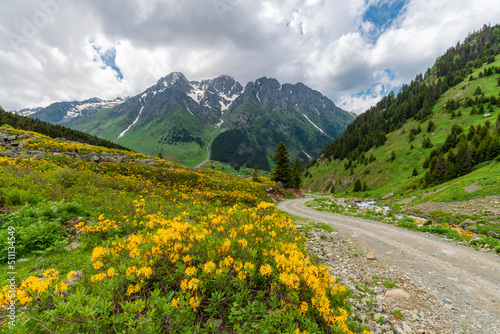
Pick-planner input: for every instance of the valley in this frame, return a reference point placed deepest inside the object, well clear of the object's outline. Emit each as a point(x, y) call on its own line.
point(177, 118)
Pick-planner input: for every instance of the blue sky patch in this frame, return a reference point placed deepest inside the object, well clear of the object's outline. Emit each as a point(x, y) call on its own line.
point(109, 58)
point(382, 15)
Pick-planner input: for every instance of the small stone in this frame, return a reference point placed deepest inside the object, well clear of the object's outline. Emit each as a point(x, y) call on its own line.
point(377, 316)
point(359, 306)
point(407, 328)
point(399, 293)
point(22, 260)
point(72, 246)
point(370, 256)
point(422, 315)
point(39, 259)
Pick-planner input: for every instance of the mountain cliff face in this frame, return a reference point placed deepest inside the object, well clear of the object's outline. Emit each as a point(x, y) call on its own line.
point(268, 112)
point(180, 118)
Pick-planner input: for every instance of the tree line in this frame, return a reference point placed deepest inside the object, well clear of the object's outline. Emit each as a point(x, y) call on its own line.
point(54, 131)
point(416, 99)
point(461, 152)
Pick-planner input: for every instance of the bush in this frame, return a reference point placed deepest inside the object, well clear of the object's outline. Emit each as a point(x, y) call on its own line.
point(407, 223)
point(17, 197)
point(37, 227)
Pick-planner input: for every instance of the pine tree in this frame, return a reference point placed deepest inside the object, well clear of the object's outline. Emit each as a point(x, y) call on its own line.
point(430, 127)
point(160, 155)
point(364, 186)
point(451, 169)
point(393, 156)
point(439, 170)
point(463, 158)
point(426, 143)
point(357, 186)
point(426, 163)
point(255, 173)
point(412, 136)
point(296, 174)
point(414, 173)
point(493, 148)
point(282, 172)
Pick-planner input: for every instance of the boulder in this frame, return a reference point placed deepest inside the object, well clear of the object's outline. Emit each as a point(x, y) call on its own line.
point(72, 246)
point(492, 234)
point(22, 144)
point(9, 154)
point(390, 195)
point(397, 293)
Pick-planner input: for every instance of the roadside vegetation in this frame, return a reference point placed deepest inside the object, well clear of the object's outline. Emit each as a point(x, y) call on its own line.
point(447, 226)
point(124, 247)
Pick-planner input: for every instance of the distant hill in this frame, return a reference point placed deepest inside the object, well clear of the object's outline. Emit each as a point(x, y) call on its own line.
point(64, 112)
point(440, 127)
point(54, 131)
point(180, 118)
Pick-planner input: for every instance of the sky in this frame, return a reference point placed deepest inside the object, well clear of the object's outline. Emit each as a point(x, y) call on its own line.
point(354, 52)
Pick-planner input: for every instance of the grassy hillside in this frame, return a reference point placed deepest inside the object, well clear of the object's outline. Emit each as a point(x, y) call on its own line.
point(385, 175)
point(154, 136)
point(129, 247)
point(54, 131)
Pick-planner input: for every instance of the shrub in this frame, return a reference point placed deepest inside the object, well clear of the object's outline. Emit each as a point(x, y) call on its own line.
point(407, 223)
point(16, 197)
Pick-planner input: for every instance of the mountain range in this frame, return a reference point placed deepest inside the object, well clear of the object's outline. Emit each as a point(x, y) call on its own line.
point(181, 119)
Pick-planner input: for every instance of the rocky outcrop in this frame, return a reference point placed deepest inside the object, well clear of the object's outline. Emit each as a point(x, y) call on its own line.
point(15, 146)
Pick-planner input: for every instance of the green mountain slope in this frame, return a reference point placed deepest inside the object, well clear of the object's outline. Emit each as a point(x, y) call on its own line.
point(392, 160)
point(268, 113)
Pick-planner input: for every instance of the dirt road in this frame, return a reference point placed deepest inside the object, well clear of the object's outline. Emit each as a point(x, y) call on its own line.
point(466, 278)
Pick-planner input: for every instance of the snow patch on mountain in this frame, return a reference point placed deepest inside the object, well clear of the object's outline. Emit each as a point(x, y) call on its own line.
point(197, 93)
point(27, 112)
point(226, 101)
point(79, 109)
point(131, 125)
point(317, 127)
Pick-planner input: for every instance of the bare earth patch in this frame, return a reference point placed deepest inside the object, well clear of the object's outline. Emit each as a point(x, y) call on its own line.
point(473, 187)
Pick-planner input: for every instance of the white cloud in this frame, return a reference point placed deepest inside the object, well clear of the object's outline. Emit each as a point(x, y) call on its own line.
point(325, 44)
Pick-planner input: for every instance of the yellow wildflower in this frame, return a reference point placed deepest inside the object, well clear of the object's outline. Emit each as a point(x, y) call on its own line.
point(266, 270)
point(194, 302)
point(191, 271)
point(209, 267)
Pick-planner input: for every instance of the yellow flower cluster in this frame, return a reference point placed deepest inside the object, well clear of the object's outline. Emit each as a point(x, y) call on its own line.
point(34, 287)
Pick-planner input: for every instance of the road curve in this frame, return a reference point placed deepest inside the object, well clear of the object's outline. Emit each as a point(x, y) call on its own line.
point(457, 273)
point(208, 153)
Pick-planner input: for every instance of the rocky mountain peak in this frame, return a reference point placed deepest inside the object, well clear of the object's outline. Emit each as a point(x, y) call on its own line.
point(174, 78)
